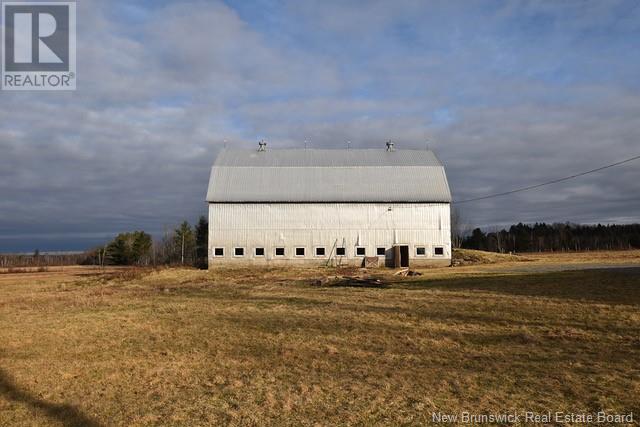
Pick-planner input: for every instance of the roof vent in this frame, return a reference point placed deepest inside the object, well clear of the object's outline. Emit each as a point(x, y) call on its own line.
point(390, 146)
point(262, 146)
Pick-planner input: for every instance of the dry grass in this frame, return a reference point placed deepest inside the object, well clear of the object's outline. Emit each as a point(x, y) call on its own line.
point(472, 257)
point(584, 257)
point(255, 347)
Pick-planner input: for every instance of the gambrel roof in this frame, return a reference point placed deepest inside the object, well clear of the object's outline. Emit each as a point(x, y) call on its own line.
point(325, 176)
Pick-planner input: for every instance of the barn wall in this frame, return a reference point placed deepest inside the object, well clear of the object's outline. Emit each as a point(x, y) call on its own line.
point(327, 225)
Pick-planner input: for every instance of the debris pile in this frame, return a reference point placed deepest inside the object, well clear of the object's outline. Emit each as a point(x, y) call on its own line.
point(361, 279)
point(404, 272)
point(351, 281)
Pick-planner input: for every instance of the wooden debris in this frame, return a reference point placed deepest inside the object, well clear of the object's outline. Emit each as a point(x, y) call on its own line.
point(366, 282)
point(406, 272)
point(350, 281)
point(321, 281)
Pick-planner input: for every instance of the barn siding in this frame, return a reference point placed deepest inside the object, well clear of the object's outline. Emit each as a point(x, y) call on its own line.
point(369, 225)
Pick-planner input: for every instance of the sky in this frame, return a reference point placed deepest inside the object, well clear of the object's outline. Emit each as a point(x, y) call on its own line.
point(507, 93)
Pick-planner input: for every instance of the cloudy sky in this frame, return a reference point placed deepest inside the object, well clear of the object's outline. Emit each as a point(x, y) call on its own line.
point(510, 93)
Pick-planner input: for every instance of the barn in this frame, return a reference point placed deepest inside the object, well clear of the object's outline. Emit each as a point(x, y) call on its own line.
point(328, 207)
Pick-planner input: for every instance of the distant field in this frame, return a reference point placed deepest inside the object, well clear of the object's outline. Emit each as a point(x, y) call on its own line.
point(79, 346)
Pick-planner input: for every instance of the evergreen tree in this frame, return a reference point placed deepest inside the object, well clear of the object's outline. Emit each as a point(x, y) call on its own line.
point(202, 242)
point(130, 248)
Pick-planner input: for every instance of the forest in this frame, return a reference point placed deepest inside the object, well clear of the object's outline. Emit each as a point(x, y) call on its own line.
point(541, 237)
point(185, 245)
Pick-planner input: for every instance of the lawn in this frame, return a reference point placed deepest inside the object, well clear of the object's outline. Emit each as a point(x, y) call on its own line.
point(256, 347)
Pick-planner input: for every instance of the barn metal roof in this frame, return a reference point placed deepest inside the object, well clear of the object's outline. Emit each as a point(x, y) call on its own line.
point(339, 176)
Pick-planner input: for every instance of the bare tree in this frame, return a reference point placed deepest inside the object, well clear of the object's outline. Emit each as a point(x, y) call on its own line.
point(459, 228)
point(185, 241)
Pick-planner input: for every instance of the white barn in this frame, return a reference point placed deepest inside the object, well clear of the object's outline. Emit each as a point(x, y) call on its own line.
point(319, 207)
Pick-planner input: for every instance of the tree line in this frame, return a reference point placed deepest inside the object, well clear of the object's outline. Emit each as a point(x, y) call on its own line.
point(188, 245)
point(541, 237)
point(184, 245)
point(38, 259)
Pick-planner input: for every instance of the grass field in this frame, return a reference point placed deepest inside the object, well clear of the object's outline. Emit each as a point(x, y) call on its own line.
point(256, 347)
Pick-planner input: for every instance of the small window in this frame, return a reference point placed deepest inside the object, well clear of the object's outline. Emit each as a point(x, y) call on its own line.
point(361, 252)
point(218, 252)
point(259, 251)
point(341, 251)
point(299, 251)
point(238, 252)
point(438, 251)
point(279, 251)
point(421, 251)
point(320, 252)
point(380, 251)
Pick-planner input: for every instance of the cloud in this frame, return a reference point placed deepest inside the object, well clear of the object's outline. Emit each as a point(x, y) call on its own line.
point(508, 95)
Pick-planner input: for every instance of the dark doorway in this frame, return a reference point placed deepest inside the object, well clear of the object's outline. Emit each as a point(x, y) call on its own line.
point(400, 256)
point(404, 256)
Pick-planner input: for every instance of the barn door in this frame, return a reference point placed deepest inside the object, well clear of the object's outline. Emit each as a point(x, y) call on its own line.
point(400, 256)
point(404, 256)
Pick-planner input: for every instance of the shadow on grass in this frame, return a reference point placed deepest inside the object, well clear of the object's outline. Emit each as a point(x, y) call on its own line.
point(66, 414)
point(608, 286)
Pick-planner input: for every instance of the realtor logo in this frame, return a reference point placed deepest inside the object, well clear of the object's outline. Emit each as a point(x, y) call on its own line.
point(39, 45)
